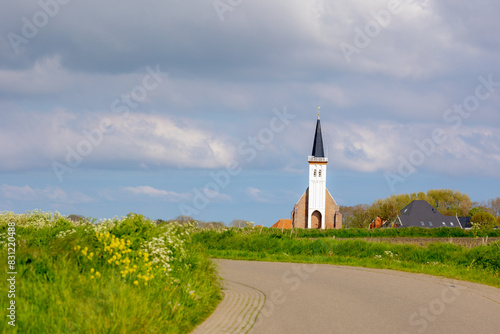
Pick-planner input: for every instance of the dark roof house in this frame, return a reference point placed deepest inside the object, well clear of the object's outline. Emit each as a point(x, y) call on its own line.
point(465, 222)
point(422, 214)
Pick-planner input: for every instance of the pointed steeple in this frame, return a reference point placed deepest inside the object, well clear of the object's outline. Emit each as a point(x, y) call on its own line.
point(318, 151)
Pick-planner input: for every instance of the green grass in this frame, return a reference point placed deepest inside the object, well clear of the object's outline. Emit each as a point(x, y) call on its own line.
point(414, 232)
point(479, 264)
point(68, 281)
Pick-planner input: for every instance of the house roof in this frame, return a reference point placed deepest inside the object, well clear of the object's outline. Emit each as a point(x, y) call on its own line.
point(421, 214)
point(283, 223)
point(465, 222)
point(318, 151)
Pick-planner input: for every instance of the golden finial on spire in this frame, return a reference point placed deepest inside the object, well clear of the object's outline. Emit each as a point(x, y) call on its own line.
point(319, 111)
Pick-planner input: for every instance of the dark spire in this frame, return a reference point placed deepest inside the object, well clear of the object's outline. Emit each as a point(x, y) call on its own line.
point(318, 142)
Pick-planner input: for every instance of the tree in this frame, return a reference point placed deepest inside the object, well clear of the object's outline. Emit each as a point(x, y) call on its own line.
point(215, 225)
point(495, 205)
point(240, 223)
point(498, 221)
point(484, 220)
point(449, 202)
point(475, 210)
point(184, 219)
point(76, 218)
point(357, 216)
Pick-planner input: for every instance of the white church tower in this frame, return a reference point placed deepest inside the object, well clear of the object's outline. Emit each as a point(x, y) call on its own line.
point(317, 181)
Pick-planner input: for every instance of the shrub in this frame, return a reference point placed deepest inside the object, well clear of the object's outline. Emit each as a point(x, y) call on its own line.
point(483, 220)
point(120, 275)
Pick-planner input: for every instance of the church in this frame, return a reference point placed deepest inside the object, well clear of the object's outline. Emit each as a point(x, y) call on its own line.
point(317, 208)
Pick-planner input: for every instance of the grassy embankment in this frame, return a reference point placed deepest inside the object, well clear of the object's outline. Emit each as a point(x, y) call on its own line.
point(477, 264)
point(118, 276)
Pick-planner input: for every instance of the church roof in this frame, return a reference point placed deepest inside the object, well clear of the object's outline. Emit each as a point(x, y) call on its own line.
point(318, 151)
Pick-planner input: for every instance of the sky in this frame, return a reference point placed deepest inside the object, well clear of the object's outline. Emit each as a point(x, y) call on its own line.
point(208, 108)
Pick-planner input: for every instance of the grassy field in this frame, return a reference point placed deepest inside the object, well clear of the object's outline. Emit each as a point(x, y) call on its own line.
point(479, 264)
point(130, 275)
point(123, 275)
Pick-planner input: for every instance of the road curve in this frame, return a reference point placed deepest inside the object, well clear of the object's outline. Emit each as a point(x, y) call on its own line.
point(314, 298)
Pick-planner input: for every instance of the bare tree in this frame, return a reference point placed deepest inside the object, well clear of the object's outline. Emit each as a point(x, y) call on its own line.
point(240, 223)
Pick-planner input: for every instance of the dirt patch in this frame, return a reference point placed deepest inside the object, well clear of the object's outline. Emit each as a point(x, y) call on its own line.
point(465, 242)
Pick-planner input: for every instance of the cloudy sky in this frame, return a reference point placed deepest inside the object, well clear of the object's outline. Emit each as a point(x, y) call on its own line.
point(208, 108)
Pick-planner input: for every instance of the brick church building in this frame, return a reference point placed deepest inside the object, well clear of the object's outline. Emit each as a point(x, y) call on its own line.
point(317, 208)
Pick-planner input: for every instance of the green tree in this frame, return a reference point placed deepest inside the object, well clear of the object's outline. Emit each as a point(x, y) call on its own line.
point(484, 220)
point(475, 210)
point(449, 202)
point(357, 216)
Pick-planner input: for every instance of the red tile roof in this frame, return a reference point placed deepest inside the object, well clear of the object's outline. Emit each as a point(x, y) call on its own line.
point(283, 223)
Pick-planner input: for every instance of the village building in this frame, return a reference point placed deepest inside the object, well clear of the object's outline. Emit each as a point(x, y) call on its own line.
point(316, 208)
point(421, 214)
point(283, 224)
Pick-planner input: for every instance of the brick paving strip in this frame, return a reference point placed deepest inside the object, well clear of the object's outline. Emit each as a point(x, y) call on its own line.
point(236, 313)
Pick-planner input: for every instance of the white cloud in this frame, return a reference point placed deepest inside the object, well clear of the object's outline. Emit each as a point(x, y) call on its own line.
point(54, 194)
point(470, 150)
point(34, 140)
point(261, 196)
point(153, 192)
point(45, 76)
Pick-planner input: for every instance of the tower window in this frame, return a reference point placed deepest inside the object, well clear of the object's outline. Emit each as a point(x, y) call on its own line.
point(315, 173)
point(319, 173)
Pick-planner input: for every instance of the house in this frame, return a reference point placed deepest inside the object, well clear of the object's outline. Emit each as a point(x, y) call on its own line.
point(465, 222)
point(316, 208)
point(376, 223)
point(421, 214)
point(283, 223)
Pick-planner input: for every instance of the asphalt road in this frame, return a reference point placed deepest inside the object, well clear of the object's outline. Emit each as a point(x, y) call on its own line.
point(308, 298)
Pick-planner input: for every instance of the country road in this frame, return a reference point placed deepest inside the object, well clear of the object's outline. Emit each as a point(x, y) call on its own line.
point(264, 297)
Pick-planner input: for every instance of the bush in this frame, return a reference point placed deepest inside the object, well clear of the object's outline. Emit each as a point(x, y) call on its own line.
point(122, 275)
point(483, 220)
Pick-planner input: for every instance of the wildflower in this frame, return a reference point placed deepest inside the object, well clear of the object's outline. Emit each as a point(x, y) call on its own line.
point(136, 283)
point(92, 270)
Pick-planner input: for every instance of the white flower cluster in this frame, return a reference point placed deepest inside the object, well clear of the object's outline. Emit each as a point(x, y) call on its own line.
point(64, 234)
point(105, 225)
point(3, 239)
point(168, 249)
point(36, 218)
point(389, 255)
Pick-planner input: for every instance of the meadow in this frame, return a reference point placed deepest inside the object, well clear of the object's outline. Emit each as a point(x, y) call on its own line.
point(121, 275)
point(135, 275)
point(442, 257)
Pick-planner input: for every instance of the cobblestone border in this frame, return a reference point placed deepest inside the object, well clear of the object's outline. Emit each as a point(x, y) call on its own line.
point(237, 311)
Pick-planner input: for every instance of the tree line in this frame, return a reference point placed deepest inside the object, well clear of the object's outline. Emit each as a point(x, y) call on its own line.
point(446, 201)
